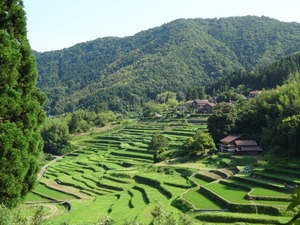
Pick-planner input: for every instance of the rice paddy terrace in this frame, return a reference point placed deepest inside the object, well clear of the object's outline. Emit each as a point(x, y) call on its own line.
point(113, 174)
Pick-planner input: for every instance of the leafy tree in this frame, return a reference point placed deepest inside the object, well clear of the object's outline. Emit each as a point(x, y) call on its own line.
point(165, 97)
point(74, 124)
point(192, 94)
point(201, 92)
point(180, 96)
point(56, 136)
point(223, 120)
point(21, 107)
point(158, 142)
point(163, 217)
point(294, 205)
point(151, 107)
point(200, 143)
point(230, 96)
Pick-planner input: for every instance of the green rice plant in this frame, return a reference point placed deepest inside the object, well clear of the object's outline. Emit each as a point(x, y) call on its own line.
point(175, 191)
point(122, 209)
point(169, 179)
point(32, 197)
point(232, 194)
point(259, 191)
point(199, 200)
point(86, 212)
point(90, 185)
point(276, 177)
point(200, 181)
point(137, 198)
point(153, 194)
point(232, 218)
point(139, 157)
point(54, 194)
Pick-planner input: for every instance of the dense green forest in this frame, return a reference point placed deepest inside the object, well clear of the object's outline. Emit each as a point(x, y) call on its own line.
point(120, 74)
point(278, 73)
point(21, 111)
point(273, 113)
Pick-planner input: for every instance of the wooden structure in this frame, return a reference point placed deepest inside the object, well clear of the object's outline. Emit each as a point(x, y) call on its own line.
point(253, 94)
point(247, 146)
point(233, 143)
point(227, 143)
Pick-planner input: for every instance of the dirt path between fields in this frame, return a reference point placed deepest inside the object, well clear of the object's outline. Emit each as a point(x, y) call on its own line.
point(44, 168)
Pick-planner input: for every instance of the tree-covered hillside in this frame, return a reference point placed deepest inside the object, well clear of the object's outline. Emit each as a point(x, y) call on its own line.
point(121, 73)
point(277, 73)
point(272, 117)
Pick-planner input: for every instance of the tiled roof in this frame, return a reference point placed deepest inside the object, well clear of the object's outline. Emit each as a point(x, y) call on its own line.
point(245, 143)
point(229, 139)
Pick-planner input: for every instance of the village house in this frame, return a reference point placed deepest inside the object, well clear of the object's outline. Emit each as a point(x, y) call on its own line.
point(208, 107)
point(253, 94)
point(247, 147)
point(227, 143)
point(203, 105)
point(235, 144)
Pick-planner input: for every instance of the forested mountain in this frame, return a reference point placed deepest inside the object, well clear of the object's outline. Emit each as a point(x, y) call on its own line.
point(277, 73)
point(121, 73)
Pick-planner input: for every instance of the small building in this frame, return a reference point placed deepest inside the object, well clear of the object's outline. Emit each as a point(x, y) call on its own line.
point(208, 107)
point(234, 143)
point(253, 94)
point(190, 103)
point(247, 147)
point(228, 143)
point(200, 103)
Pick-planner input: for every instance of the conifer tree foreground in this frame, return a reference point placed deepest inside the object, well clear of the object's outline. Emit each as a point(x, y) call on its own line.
point(21, 112)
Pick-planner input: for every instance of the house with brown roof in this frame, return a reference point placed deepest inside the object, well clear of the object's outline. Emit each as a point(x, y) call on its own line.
point(208, 107)
point(247, 146)
point(253, 94)
point(200, 102)
point(190, 103)
point(228, 143)
point(233, 143)
point(197, 103)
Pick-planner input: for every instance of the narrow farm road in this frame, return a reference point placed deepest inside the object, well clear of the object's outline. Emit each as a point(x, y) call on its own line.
point(44, 168)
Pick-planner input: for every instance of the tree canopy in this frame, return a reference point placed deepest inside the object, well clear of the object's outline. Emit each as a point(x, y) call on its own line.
point(20, 109)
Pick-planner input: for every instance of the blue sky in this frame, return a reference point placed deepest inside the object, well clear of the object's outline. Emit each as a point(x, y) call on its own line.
point(57, 24)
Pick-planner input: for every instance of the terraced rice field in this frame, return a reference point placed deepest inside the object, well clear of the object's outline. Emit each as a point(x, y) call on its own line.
point(113, 174)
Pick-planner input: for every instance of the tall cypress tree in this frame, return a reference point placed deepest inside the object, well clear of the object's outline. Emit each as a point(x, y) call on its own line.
point(21, 112)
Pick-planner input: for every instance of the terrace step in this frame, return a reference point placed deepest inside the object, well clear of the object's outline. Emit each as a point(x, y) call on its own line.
point(284, 172)
point(276, 177)
point(66, 189)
